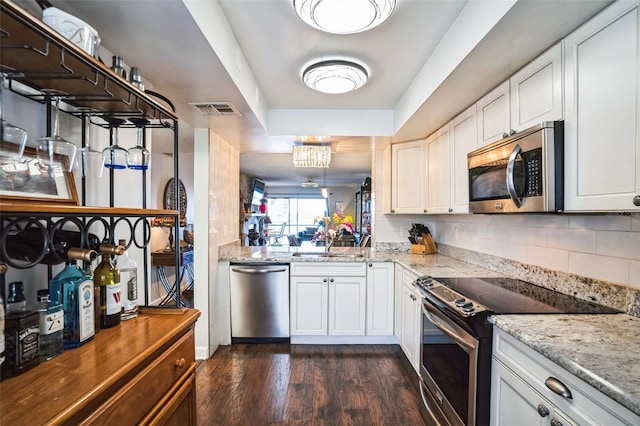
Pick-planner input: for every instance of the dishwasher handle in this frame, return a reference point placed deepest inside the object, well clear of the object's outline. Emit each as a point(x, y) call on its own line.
point(258, 270)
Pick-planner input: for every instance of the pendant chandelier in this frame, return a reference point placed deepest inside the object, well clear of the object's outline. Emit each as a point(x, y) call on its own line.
point(311, 155)
point(335, 76)
point(344, 16)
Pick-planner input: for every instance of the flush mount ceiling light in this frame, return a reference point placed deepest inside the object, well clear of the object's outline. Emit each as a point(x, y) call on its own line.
point(335, 76)
point(311, 155)
point(344, 16)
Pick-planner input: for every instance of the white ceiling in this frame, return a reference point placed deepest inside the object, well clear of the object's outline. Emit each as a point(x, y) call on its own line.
point(429, 61)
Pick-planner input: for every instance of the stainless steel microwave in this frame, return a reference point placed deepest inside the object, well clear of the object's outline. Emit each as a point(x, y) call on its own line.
point(522, 173)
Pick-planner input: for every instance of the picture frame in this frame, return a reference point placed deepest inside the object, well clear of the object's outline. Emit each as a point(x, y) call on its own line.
point(24, 182)
point(339, 206)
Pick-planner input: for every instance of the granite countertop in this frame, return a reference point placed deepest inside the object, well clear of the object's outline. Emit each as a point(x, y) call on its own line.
point(602, 350)
point(435, 265)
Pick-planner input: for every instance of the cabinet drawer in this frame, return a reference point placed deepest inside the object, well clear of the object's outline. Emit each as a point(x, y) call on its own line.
point(587, 405)
point(137, 397)
point(326, 269)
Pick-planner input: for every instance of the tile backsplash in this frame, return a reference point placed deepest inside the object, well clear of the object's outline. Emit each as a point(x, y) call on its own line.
point(594, 257)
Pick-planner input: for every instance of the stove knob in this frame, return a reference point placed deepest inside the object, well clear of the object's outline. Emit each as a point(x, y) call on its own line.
point(460, 302)
point(468, 309)
point(425, 281)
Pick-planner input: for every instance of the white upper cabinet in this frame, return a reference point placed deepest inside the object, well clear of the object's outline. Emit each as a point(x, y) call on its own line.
point(408, 177)
point(463, 138)
point(529, 97)
point(602, 124)
point(493, 115)
point(438, 172)
point(536, 91)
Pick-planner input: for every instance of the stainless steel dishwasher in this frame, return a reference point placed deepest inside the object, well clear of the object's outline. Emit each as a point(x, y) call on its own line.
point(259, 302)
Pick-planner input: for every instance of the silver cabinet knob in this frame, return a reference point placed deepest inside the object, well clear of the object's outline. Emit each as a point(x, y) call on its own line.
point(543, 411)
point(505, 135)
point(636, 200)
point(556, 422)
point(512, 132)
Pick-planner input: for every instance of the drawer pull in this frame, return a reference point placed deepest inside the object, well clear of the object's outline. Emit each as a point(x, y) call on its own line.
point(556, 422)
point(180, 363)
point(558, 387)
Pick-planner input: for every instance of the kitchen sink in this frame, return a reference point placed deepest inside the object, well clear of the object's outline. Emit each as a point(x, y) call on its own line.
point(325, 254)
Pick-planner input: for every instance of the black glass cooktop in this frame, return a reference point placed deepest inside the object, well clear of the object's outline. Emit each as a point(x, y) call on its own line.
point(512, 296)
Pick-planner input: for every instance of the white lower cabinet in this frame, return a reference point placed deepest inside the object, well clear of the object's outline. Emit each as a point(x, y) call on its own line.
point(328, 299)
point(380, 298)
point(408, 315)
point(521, 391)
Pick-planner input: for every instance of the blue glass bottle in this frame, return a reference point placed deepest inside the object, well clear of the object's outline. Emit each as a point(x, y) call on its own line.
point(73, 289)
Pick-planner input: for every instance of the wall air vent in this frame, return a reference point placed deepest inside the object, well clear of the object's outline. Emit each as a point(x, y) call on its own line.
point(216, 108)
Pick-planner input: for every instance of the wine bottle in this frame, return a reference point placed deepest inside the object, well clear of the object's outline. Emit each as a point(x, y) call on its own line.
point(129, 279)
point(107, 276)
point(29, 245)
point(73, 289)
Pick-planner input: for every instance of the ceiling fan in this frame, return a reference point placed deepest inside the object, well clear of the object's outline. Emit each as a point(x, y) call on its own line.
point(309, 183)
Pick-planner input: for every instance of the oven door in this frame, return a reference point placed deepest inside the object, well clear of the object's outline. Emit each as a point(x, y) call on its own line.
point(448, 369)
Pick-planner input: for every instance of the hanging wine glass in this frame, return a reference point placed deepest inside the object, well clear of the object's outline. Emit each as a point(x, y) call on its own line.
point(115, 157)
point(90, 161)
point(13, 138)
point(51, 150)
point(139, 156)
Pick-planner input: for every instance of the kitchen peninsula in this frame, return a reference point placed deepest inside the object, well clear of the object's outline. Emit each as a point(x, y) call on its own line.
point(579, 344)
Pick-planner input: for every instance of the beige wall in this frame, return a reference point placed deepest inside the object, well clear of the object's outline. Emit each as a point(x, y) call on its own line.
point(216, 194)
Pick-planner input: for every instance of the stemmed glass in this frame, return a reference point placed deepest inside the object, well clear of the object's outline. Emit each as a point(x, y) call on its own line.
point(139, 156)
point(115, 157)
point(91, 161)
point(14, 172)
point(50, 148)
point(13, 138)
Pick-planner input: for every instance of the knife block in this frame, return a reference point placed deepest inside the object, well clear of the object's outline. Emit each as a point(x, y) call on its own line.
point(429, 246)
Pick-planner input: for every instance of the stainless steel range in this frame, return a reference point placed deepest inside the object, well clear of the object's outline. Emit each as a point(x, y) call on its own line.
point(455, 366)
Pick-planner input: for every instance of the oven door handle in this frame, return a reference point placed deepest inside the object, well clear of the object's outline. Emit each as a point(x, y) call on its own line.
point(511, 185)
point(449, 328)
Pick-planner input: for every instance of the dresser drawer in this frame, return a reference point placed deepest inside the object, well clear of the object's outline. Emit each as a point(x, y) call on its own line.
point(137, 397)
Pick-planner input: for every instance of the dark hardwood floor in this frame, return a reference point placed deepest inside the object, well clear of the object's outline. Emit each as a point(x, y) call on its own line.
point(266, 384)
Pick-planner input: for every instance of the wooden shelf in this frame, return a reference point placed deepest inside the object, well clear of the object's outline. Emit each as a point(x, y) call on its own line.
point(29, 209)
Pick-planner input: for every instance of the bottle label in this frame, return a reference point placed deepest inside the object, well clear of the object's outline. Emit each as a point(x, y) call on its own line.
point(129, 281)
point(85, 307)
point(114, 305)
point(51, 322)
point(29, 344)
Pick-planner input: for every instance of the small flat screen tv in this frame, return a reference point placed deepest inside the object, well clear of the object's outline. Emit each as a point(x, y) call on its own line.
point(257, 194)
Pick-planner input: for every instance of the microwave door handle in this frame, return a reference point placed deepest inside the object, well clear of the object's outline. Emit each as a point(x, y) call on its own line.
point(511, 186)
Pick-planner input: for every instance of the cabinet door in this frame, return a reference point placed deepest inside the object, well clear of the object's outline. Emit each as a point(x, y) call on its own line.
point(602, 116)
point(463, 138)
point(513, 402)
point(536, 91)
point(380, 291)
point(397, 315)
point(438, 172)
point(408, 180)
point(411, 325)
point(347, 299)
point(309, 306)
point(494, 115)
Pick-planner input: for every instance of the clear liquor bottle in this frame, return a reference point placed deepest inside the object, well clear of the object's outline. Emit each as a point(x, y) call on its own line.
point(51, 326)
point(73, 289)
point(129, 280)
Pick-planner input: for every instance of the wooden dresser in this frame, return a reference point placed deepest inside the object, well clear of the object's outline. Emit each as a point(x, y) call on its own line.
point(140, 372)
